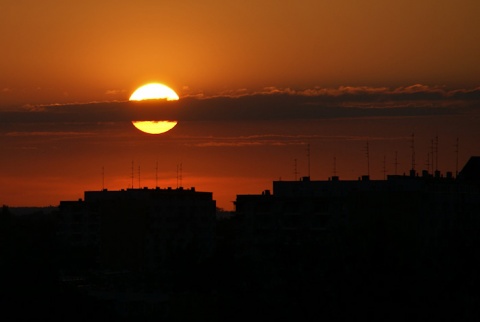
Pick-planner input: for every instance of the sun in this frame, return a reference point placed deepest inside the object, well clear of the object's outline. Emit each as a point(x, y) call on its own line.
point(154, 91)
point(154, 127)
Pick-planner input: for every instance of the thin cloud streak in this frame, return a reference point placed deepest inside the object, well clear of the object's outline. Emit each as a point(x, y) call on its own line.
point(279, 140)
point(49, 134)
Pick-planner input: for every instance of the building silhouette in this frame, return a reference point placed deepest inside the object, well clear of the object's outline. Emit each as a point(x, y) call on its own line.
point(406, 212)
point(138, 229)
point(336, 249)
point(381, 248)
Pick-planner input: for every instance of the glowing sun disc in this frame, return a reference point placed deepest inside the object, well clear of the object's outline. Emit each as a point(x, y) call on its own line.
point(154, 127)
point(154, 91)
point(150, 92)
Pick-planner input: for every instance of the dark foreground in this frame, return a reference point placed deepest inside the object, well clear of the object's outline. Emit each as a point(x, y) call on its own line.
point(380, 270)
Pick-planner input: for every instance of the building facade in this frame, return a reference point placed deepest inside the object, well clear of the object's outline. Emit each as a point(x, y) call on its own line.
point(139, 229)
point(406, 210)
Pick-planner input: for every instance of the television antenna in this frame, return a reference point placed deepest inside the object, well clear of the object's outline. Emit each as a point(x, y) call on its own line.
point(396, 162)
point(412, 146)
point(156, 174)
point(308, 157)
point(367, 154)
point(295, 172)
point(132, 174)
point(456, 161)
point(335, 166)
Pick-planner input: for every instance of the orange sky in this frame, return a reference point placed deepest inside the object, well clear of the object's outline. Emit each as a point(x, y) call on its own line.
point(81, 50)
point(341, 51)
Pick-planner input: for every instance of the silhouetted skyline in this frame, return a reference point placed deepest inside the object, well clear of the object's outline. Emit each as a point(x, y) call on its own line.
point(333, 249)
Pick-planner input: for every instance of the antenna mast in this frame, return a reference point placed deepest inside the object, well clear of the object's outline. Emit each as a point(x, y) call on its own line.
point(295, 168)
point(156, 174)
point(384, 167)
point(103, 178)
point(433, 155)
point(181, 175)
point(436, 153)
point(132, 174)
point(308, 156)
point(456, 161)
point(412, 146)
point(367, 153)
point(396, 162)
point(428, 161)
point(139, 186)
point(335, 166)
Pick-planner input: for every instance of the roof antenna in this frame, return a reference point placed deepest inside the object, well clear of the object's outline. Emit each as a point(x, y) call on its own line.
point(334, 166)
point(295, 172)
point(396, 162)
point(428, 161)
point(181, 177)
point(139, 186)
point(456, 161)
point(384, 167)
point(132, 174)
point(308, 156)
point(432, 156)
point(156, 174)
point(412, 146)
point(103, 178)
point(367, 153)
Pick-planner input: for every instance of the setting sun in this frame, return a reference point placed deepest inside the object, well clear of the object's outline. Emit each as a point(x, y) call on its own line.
point(154, 91)
point(154, 127)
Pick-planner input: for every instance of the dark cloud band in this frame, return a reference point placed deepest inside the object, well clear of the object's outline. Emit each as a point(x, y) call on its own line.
point(271, 104)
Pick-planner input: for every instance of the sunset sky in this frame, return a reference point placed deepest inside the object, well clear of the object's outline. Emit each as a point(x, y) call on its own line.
point(258, 81)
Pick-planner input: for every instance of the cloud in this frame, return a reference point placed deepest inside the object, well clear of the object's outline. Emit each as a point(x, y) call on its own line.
point(227, 144)
point(49, 133)
point(276, 140)
point(115, 91)
point(417, 88)
point(270, 103)
point(465, 94)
